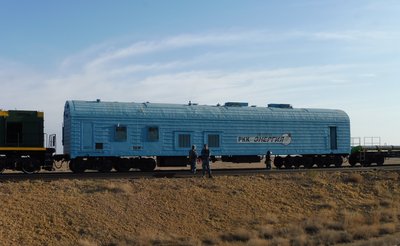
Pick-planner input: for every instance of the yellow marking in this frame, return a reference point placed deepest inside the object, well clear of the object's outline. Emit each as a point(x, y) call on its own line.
point(40, 114)
point(22, 149)
point(3, 113)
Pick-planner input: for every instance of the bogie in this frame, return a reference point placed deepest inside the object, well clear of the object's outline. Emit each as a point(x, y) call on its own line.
point(307, 161)
point(122, 164)
point(366, 158)
point(146, 164)
point(278, 162)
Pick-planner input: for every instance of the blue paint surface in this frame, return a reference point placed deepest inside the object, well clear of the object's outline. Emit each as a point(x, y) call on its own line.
point(95, 128)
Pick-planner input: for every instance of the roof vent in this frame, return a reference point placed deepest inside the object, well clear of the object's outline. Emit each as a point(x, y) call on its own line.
point(236, 104)
point(98, 100)
point(277, 105)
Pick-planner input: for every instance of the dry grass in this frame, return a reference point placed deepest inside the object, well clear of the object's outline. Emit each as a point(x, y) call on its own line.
point(365, 232)
point(271, 219)
point(85, 242)
point(386, 203)
point(257, 242)
point(333, 237)
point(299, 240)
point(240, 235)
point(354, 178)
point(388, 216)
point(388, 228)
point(352, 219)
point(393, 176)
point(279, 209)
point(266, 232)
point(328, 205)
point(313, 226)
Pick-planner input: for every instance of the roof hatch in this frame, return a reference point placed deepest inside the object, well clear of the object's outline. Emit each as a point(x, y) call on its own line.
point(279, 105)
point(236, 104)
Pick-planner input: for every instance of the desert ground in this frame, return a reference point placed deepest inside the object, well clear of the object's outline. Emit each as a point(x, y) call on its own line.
point(313, 208)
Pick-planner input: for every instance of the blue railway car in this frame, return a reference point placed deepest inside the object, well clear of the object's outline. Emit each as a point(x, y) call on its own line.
point(102, 135)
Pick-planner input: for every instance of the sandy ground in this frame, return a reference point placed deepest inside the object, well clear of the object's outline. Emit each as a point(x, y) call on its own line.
point(278, 209)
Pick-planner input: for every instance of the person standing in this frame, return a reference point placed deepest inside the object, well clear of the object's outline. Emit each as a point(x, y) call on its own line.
point(193, 159)
point(268, 160)
point(205, 158)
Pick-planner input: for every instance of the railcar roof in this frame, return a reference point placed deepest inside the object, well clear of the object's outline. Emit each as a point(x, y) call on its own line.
point(192, 111)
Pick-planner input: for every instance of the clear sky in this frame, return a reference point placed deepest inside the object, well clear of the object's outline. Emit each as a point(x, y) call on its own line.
point(337, 54)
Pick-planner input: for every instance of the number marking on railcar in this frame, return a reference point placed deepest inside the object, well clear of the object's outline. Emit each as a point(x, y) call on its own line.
point(285, 139)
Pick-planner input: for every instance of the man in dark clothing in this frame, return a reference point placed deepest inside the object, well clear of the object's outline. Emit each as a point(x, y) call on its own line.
point(193, 159)
point(205, 158)
point(268, 160)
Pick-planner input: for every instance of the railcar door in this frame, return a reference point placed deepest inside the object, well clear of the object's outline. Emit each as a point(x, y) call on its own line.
point(333, 137)
point(87, 135)
point(14, 133)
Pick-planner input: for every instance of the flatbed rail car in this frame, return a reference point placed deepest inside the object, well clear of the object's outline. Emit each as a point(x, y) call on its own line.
point(22, 142)
point(101, 135)
point(367, 155)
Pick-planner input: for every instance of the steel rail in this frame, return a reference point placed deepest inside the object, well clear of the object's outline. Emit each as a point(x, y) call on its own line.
point(50, 176)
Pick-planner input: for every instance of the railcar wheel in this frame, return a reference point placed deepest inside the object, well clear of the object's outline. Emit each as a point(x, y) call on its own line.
point(327, 160)
point(28, 165)
point(338, 160)
point(298, 161)
point(121, 168)
point(353, 160)
point(308, 165)
point(147, 165)
point(288, 162)
point(278, 162)
point(105, 166)
point(122, 165)
point(77, 166)
point(366, 163)
point(308, 161)
point(319, 161)
point(380, 160)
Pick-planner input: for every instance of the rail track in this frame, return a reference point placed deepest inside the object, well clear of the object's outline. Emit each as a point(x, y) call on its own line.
point(50, 176)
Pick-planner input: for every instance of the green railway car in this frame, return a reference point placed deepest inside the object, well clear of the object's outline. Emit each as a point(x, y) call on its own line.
point(22, 141)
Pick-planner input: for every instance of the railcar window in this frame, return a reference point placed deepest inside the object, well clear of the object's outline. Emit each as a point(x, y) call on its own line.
point(152, 134)
point(213, 141)
point(120, 133)
point(184, 141)
point(99, 145)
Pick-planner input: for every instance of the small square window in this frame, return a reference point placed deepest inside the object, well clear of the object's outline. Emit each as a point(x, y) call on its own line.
point(152, 134)
point(213, 141)
point(99, 146)
point(184, 141)
point(120, 133)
